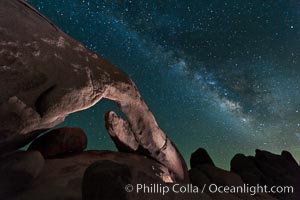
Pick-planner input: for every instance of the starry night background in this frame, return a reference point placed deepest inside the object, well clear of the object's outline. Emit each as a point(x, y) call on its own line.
point(223, 75)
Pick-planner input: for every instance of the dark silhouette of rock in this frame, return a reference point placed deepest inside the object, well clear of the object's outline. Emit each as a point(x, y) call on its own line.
point(217, 175)
point(200, 157)
point(245, 166)
point(287, 155)
point(45, 75)
point(205, 173)
point(60, 141)
point(269, 169)
point(18, 170)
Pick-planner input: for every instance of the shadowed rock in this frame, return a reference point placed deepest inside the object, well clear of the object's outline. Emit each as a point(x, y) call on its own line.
point(269, 169)
point(45, 75)
point(245, 166)
point(60, 141)
point(205, 174)
point(18, 170)
point(116, 177)
point(107, 180)
point(62, 176)
point(287, 155)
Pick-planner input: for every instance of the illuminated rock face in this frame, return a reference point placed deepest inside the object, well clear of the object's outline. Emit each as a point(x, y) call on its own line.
point(45, 75)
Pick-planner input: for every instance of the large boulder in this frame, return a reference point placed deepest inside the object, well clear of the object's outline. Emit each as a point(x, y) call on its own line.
point(269, 169)
point(60, 141)
point(45, 75)
point(18, 170)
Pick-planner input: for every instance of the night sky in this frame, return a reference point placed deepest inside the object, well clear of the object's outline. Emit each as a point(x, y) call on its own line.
point(223, 75)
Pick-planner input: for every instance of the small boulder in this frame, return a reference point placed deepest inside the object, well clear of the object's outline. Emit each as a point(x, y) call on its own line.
point(200, 157)
point(60, 141)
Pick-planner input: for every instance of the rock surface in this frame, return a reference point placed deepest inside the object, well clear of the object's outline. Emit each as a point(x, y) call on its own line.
point(61, 177)
point(269, 169)
point(45, 75)
point(117, 176)
point(18, 170)
point(60, 141)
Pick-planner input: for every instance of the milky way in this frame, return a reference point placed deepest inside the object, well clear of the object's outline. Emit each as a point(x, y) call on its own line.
point(220, 75)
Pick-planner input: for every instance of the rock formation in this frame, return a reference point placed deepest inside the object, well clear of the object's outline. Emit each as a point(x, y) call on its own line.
point(269, 169)
point(45, 75)
point(204, 172)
